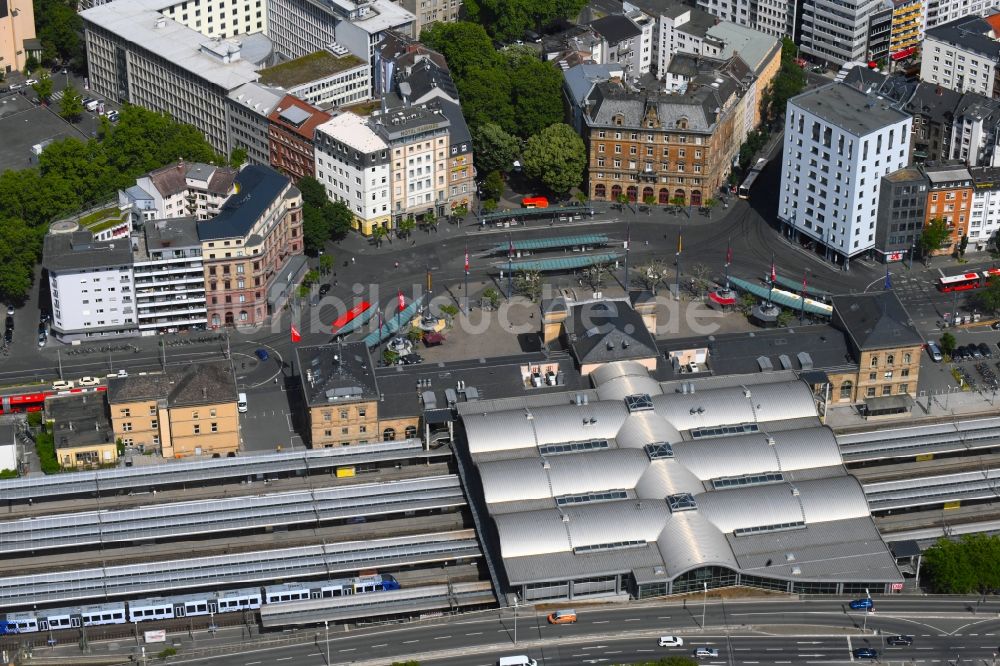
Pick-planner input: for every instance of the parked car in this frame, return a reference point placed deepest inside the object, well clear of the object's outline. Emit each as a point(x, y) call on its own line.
point(8, 335)
point(10, 323)
point(995, 325)
point(10, 309)
point(411, 359)
point(324, 289)
point(42, 339)
point(899, 640)
point(984, 349)
point(935, 352)
point(31, 82)
point(262, 354)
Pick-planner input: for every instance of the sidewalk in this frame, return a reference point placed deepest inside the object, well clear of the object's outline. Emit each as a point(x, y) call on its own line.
point(925, 408)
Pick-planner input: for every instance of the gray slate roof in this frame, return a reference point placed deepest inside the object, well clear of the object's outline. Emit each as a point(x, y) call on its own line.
point(80, 419)
point(182, 385)
point(79, 251)
point(970, 33)
point(608, 331)
point(875, 321)
point(336, 373)
point(259, 186)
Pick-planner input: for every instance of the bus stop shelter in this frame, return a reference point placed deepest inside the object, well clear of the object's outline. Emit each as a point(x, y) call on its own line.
point(782, 298)
point(555, 243)
point(565, 213)
point(390, 326)
point(554, 264)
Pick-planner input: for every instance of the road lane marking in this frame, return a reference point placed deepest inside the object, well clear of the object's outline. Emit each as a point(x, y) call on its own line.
point(251, 663)
point(636, 619)
point(441, 638)
point(380, 645)
point(413, 641)
point(474, 633)
point(600, 621)
point(662, 617)
point(347, 650)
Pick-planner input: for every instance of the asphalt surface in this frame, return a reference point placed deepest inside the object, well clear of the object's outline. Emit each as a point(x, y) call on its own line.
point(944, 630)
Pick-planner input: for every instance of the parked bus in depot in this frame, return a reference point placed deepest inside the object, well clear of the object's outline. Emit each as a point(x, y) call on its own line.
point(535, 202)
point(744, 191)
point(967, 281)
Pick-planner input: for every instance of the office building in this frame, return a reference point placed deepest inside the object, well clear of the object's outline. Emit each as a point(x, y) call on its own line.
point(775, 18)
point(963, 55)
point(17, 33)
point(81, 430)
point(292, 129)
point(949, 198)
point(352, 163)
point(90, 284)
point(187, 410)
point(329, 78)
point(252, 250)
point(249, 107)
point(985, 215)
point(839, 142)
point(138, 55)
point(621, 44)
point(940, 12)
point(169, 276)
point(301, 27)
point(428, 12)
point(834, 32)
point(902, 209)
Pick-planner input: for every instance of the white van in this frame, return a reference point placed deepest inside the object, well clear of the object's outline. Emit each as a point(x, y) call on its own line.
point(241, 403)
point(671, 641)
point(519, 660)
point(92, 105)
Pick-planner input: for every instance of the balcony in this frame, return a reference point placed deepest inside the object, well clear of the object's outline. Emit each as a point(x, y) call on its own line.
point(173, 313)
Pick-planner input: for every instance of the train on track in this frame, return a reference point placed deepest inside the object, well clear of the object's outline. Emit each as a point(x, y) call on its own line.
point(191, 605)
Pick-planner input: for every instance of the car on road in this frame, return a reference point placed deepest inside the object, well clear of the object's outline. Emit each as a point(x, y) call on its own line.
point(42, 339)
point(61, 385)
point(31, 82)
point(89, 381)
point(671, 641)
point(262, 354)
point(704, 653)
point(15, 86)
point(241, 403)
point(899, 640)
point(995, 325)
point(562, 617)
point(324, 289)
point(10, 309)
point(862, 604)
point(865, 653)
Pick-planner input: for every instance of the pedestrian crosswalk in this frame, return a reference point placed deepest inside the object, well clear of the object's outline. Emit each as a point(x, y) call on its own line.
point(57, 95)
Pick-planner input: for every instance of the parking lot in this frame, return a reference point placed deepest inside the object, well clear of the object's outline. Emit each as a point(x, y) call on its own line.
point(22, 125)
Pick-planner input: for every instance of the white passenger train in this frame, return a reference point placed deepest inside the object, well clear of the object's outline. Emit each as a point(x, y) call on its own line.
point(191, 605)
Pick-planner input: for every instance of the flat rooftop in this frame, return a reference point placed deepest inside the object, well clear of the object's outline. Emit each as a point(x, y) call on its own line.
point(311, 67)
point(849, 109)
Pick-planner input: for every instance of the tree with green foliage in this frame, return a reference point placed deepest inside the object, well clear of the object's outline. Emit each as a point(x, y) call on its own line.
point(31, 64)
point(493, 296)
point(486, 98)
point(790, 81)
point(313, 192)
point(315, 231)
point(326, 264)
point(71, 105)
point(238, 157)
point(536, 87)
point(934, 236)
point(988, 298)
point(755, 140)
point(528, 284)
point(406, 226)
point(948, 343)
point(493, 186)
point(557, 157)
point(489, 205)
point(60, 29)
point(465, 45)
point(495, 148)
point(389, 357)
point(44, 86)
point(509, 20)
point(19, 252)
point(378, 233)
point(963, 245)
point(969, 565)
point(338, 218)
point(145, 140)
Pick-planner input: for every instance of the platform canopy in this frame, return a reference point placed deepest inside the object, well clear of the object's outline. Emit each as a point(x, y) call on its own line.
point(560, 263)
point(554, 243)
point(782, 298)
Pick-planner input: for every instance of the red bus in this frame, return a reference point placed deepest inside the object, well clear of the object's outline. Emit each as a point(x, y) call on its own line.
point(535, 202)
point(962, 282)
point(24, 402)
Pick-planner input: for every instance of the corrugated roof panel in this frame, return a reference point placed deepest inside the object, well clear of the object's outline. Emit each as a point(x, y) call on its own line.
point(689, 541)
point(754, 506)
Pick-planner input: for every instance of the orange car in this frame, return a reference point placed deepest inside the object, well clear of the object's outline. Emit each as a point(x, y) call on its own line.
point(562, 617)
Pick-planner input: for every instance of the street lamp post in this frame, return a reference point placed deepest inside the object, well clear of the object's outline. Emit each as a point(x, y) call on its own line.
point(515, 620)
point(326, 625)
point(704, 605)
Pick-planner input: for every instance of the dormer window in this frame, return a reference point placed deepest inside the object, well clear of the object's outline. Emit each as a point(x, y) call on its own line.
point(619, 120)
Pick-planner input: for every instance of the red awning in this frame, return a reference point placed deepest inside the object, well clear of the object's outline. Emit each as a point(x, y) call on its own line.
point(872, 64)
point(905, 53)
point(721, 300)
point(350, 315)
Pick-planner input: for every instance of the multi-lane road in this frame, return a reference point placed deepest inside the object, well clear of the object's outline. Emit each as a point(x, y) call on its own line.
point(775, 631)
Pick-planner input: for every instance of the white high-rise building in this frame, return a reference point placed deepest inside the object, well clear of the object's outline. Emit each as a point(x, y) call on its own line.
point(839, 142)
point(772, 17)
point(943, 11)
point(352, 163)
point(835, 31)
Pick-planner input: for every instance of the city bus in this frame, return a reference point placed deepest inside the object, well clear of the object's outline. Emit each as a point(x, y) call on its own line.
point(967, 281)
point(535, 202)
